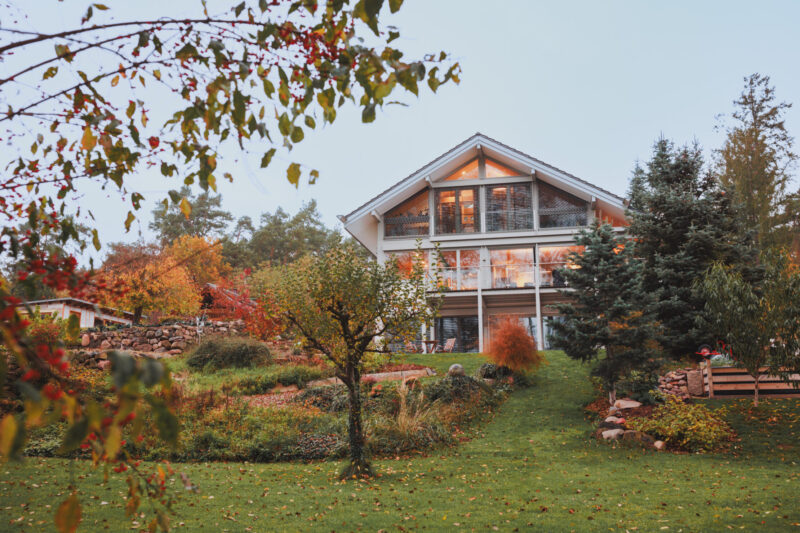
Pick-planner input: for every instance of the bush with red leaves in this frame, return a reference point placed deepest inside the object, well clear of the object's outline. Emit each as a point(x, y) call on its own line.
point(513, 347)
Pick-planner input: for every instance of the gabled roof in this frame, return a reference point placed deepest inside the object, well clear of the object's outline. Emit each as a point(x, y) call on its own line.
point(76, 302)
point(479, 139)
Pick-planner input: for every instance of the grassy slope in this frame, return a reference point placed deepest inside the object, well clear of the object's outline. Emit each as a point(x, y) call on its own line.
point(533, 465)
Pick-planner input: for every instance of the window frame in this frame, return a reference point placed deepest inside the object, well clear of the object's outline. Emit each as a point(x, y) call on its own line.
point(476, 192)
point(510, 221)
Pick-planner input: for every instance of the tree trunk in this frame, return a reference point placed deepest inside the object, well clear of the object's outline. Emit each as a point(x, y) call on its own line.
point(137, 315)
point(612, 395)
point(359, 466)
point(755, 392)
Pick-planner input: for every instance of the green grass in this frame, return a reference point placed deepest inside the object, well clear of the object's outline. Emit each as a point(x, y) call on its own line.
point(532, 467)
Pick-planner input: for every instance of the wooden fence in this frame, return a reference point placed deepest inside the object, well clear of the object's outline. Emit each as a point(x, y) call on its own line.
point(731, 382)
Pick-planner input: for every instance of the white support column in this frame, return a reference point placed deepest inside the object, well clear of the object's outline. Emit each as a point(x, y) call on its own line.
point(431, 207)
point(539, 322)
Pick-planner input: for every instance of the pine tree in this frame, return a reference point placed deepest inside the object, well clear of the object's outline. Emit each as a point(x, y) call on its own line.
point(756, 161)
point(605, 321)
point(683, 220)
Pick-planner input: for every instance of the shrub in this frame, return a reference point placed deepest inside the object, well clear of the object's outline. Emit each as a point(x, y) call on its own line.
point(492, 371)
point(287, 375)
point(639, 385)
point(455, 388)
point(232, 352)
point(46, 329)
point(692, 427)
point(513, 347)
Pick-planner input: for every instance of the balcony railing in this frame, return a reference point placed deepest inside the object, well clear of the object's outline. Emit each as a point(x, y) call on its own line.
point(523, 276)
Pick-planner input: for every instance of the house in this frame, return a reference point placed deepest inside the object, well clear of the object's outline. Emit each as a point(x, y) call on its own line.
point(504, 222)
point(89, 314)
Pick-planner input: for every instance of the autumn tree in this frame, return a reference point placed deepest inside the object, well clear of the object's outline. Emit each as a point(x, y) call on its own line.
point(79, 114)
point(152, 281)
point(605, 322)
point(340, 303)
point(756, 163)
point(513, 347)
point(201, 257)
point(758, 324)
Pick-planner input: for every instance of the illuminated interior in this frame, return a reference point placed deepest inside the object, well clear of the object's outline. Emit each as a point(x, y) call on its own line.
point(512, 268)
point(496, 170)
point(411, 218)
point(610, 218)
point(552, 258)
point(459, 269)
point(509, 207)
point(470, 171)
point(457, 211)
point(406, 260)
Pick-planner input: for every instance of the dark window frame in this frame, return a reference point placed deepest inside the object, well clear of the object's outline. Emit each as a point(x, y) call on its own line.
point(457, 210)
point(510, 222)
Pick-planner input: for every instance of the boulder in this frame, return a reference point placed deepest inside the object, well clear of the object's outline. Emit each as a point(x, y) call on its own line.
point(613, 434)
point(660, 445)
point(160, 349)
point(105, 345)
point(455, 370)
point(615, 420)
point(85, 340)
point(695, 383)
point(102, 365)
point(637, 436)
point(627, 403)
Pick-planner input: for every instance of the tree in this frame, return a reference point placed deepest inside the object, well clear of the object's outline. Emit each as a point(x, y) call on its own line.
point(757, 324)
point(756, 160)
point(152, 282)
point(682, 221)
point(255, 77)
point(201, 258)
point(340, 302)
point(605, 323)
point(205, 218)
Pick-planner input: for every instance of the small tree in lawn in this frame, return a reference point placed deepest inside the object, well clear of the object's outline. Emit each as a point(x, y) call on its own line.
point(605, 322)
point(339, 302)
point(513, 347)
point(758, 324)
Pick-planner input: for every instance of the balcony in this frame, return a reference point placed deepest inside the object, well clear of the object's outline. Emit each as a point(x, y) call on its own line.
point(501, 277)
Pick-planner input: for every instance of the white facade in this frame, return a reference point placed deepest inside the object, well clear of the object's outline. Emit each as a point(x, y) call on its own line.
point(504, 223)
point(89, 314)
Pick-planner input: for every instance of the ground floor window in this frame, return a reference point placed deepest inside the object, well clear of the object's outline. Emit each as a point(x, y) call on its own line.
point(548, 330)
point(464, 329)
point(529, 321)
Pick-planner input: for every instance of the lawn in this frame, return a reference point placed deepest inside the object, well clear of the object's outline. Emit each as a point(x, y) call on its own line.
point(533, 465)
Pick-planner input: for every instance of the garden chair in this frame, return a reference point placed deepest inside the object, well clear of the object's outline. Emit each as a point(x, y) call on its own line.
point(449, 346)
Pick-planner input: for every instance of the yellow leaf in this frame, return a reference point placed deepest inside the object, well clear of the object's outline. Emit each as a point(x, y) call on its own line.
point(113, 441)
point(186, 207)
point(157, 74)
point(8, 430)
point(115, 80)
point(88, 141)
point(68, 515)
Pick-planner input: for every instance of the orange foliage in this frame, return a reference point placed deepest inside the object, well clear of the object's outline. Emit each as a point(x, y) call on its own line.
point(513, 347)
point(201, 258)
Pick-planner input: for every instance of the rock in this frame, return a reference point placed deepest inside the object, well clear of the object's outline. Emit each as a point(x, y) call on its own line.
point(613, 410)
point(615, 420)
point(160, 349)
point(102, 355)
point(627, 404)
point(105, 345)
point(141, 347)
point(695, 383)
point(175, 351)
point(613, 434)
point(638, 436)
point(179, 345)
point(609, 425)
point(85, 340)
point(455, 370)
point(150, 334)
point(102, 365)
point(660, 445)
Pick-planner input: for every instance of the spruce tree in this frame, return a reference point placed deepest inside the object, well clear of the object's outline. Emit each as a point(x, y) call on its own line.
point(605, 321)
point(683, 220)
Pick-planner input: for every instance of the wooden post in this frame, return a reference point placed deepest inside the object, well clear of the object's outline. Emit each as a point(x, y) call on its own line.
point(710, 380)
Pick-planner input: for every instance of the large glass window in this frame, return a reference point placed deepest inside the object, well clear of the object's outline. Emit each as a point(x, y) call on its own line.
point(496, 170)
point(457, 211)
point(411, 218)
point(528, 321)
point(560, 209)
point(459, 269)
point(551, 259)
point(464, 329)
point(512, 268)
point(470, 171)
point(508, 207)
point(406, 261)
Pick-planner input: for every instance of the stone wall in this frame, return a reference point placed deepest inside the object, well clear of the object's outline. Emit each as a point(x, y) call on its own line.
point(683, 383)
point(169, 339)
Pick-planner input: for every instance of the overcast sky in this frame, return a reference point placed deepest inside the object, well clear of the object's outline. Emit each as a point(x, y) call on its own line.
point(586, 86)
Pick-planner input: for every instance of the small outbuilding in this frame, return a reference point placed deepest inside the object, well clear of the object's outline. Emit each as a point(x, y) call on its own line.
point(89, 314)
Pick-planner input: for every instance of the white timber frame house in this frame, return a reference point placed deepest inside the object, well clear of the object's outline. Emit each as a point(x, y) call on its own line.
point(504, 223)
